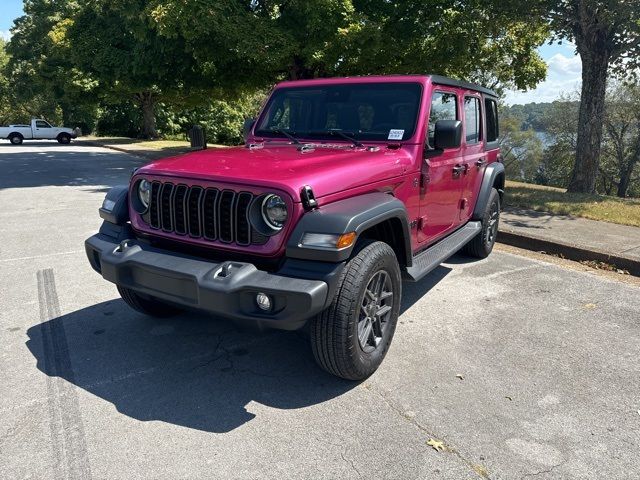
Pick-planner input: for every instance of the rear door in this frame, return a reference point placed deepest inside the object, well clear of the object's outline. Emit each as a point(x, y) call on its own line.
point(474, 156)
point(441, 184)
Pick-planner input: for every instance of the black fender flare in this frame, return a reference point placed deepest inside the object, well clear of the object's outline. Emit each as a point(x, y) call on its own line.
point(494, 175)
point(115, 207)
point(355, 214)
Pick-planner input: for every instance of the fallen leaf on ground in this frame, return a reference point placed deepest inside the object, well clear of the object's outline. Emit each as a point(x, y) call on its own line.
point(437, 445)
point(590, 306)
point(460, 376)
point(481, 470)
point(509, 398)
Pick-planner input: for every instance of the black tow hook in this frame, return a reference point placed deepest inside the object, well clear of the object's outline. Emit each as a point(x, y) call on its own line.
point(124, 244)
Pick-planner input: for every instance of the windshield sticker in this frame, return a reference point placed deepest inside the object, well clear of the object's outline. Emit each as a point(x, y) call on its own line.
point(395, 134)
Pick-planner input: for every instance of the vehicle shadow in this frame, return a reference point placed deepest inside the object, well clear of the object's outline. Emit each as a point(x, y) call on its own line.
point(192, 370)
point(52, 164)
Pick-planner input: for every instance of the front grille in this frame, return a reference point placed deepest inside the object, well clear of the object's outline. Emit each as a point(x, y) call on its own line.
point(208, 213)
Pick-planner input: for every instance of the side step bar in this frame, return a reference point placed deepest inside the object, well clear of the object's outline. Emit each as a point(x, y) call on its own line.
point(433, 256)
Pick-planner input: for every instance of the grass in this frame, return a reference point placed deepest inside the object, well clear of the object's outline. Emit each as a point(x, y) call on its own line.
point(144, 144)
point(624, 211)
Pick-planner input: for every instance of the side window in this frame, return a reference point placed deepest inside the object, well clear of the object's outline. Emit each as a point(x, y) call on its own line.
point(443, 107)
point(472, 119)
point(42, 124)
point(491, 107)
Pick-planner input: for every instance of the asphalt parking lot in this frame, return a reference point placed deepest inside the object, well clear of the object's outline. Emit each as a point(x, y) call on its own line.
point(520, 366)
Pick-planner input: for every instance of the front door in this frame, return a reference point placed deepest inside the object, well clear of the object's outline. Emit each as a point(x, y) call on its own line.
point(441, 174)
point(43, 129)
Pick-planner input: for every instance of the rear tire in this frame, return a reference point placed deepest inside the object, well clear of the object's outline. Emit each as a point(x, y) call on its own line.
point(351, 337)
point(64, 138)
point(16, 139)
point(147, 304)
point(482, 244)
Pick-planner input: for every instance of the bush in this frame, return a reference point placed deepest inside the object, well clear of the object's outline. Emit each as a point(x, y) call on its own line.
point(118, 119)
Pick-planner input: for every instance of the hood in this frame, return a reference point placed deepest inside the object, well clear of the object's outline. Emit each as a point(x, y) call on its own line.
point(326, 170)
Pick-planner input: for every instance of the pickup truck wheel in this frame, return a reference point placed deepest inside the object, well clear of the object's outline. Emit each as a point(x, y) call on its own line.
point(146, 304)
point(482, 244)
point(16, 139)
point(351, 337)
point(64, 138)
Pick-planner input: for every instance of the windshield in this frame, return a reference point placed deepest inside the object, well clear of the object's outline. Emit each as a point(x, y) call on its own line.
point(366, 111)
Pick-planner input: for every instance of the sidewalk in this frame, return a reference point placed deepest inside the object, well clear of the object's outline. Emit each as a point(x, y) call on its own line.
point(572, 237)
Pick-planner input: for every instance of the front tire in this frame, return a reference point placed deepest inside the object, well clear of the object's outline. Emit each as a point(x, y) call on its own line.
point(146, 304)
point(16, 139)
point(351, 337)
point(64, 138)
point(482, 244)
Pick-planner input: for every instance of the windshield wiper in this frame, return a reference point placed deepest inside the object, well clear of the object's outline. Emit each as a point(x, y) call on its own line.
point(286, 134)
point(339, 133)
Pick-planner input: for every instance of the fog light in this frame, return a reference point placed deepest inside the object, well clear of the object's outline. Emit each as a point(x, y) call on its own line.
point(263, 301)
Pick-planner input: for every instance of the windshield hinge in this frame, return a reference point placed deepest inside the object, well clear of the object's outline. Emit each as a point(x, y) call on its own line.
point(308, 198)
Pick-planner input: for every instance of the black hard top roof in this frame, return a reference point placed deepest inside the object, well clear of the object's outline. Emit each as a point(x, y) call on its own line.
point(452, 82)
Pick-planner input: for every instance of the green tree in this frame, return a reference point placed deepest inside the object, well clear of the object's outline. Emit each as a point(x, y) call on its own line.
point(607, 37)
point(43, 80)
point(277, 39)
point(561, 120)
point(115, 43)
point(621, 150)
point(521, 149)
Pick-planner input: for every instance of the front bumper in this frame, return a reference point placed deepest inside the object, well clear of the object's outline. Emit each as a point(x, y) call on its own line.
point(227, 289)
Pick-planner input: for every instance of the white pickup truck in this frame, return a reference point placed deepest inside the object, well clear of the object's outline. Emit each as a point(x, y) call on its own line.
point(38, 130)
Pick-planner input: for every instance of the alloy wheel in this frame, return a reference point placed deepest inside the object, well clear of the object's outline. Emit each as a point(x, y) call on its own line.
point(375, 311)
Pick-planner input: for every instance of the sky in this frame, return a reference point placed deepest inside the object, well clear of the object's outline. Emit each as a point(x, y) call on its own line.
point(563, 75)
point(11, 9)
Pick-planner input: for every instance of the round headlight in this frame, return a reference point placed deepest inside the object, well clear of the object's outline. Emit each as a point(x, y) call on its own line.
point(274, 211)
point(144, 192)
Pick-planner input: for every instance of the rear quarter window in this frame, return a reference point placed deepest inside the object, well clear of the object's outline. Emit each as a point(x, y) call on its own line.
point(493, 130)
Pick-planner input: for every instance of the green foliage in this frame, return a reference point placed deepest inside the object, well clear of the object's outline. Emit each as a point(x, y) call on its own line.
point(534, 115)
point(84, 61)
point(266, 40)
point(621, 150)
point(521, 149)
point(618, 171)
point(44, 82)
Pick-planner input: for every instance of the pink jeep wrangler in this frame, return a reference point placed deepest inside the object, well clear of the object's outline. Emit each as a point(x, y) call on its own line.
point(345, 187)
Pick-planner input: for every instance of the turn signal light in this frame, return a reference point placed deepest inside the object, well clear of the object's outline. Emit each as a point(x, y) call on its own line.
point(346, 240)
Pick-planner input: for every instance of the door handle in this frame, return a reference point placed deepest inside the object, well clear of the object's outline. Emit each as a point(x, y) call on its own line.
point(458, 170)
point(480, 162)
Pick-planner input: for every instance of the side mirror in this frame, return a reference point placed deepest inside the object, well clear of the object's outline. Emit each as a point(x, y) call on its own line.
point(448, 134)
point(246, 128)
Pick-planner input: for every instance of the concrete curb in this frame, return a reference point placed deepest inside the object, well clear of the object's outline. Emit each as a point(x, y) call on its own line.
point(568, 251)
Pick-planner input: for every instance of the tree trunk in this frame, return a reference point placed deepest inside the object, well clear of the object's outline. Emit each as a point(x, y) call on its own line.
point(627, 168)
point(594, 46)
point(147, 105)
point(590, 119)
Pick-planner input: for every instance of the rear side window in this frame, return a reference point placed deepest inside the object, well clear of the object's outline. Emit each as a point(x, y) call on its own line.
point(472, 119)
point(491, 107)
point(443, 107)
